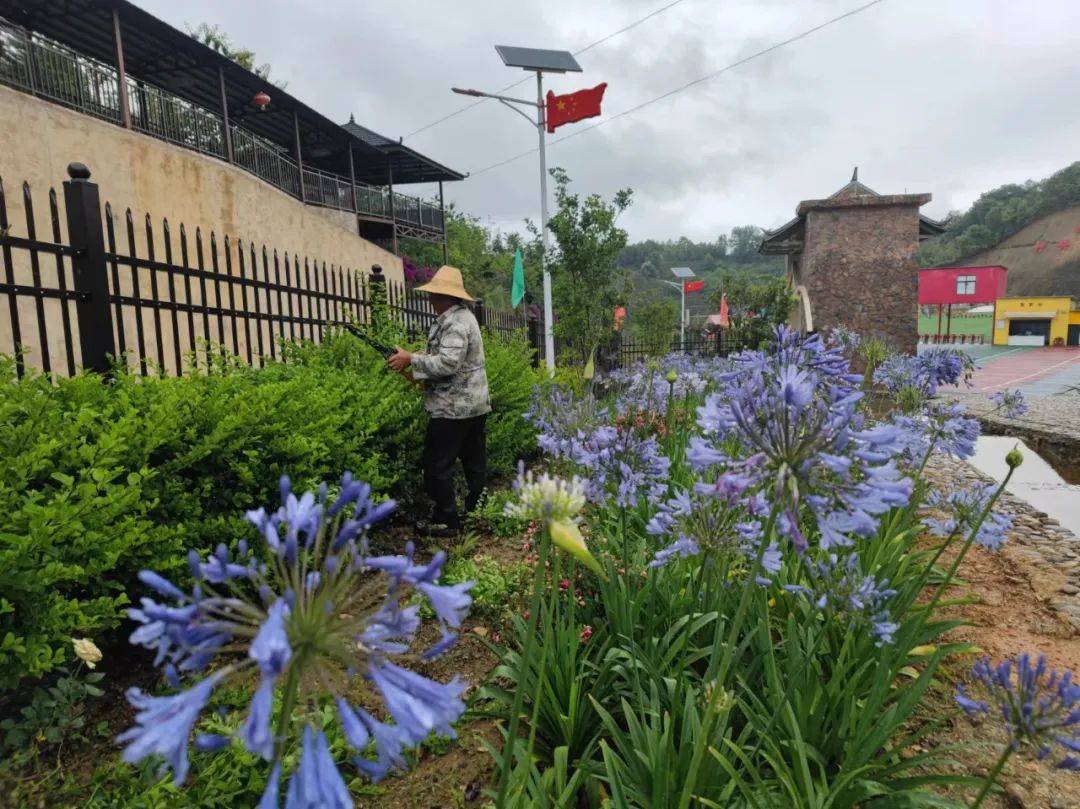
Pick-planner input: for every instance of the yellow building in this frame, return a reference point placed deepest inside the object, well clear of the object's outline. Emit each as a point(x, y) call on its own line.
point(1037, 321)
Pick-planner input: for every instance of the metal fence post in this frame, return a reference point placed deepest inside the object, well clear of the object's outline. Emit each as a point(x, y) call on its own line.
point(478, 310)
point(535, 336)
point(83, 206)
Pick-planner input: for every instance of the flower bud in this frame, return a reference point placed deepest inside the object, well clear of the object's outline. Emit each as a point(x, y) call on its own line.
point(87, 651)
point(672, 376)
point(567, 536)
point(1014, 458)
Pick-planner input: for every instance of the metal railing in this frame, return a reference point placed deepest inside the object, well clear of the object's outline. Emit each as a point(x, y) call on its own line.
point(175, 120)
point(373, 200)
point(54, 72)
point(326, 189)
point(47, 69)
point(266, 160)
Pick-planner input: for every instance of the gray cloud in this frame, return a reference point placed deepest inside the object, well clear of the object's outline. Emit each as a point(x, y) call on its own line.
point(952, 98)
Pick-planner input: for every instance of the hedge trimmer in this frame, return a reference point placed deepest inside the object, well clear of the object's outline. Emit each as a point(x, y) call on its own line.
point(386, 351)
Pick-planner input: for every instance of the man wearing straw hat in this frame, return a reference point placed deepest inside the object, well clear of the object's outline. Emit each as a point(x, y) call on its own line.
point(455, 396)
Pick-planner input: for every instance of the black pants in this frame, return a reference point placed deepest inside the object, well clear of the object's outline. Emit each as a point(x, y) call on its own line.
point(446, 441)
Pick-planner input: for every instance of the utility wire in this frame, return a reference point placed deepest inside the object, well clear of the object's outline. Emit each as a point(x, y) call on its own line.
point(519, 82)
point(688, 85)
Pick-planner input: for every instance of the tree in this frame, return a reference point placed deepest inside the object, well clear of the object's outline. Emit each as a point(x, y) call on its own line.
point(755, 308)
point(586, 286)
point(999, 213)
point(654, 322)
point(213, 37)
point(743, 242)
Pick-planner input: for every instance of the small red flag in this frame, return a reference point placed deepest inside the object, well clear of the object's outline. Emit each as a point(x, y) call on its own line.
point(723, 312)
point(693, 286)
point(573, 107)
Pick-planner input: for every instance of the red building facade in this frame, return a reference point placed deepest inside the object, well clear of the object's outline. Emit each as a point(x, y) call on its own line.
point(961, 285)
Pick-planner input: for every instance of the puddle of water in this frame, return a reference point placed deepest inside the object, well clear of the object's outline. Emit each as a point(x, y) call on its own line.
point(1034, 481)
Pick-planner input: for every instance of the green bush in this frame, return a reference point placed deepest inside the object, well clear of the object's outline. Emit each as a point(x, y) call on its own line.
point(104, 478)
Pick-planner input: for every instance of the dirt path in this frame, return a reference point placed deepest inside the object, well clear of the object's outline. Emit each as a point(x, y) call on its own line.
point(1011, 614)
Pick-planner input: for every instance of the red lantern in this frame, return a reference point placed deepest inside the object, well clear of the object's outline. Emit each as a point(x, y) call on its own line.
point(261, 100)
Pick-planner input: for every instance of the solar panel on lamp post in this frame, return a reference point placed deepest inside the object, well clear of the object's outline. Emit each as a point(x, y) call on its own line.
point(538, 61)
point(682, 273)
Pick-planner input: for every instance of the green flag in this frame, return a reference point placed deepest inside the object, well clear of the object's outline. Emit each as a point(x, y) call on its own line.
point(517, 288)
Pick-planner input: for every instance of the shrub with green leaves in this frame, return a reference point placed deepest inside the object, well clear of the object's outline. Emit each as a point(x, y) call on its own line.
point(103, 478)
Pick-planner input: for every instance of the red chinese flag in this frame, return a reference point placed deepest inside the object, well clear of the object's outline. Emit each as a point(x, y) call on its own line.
point(724, 312)
point(573, 106)
point(693, 286)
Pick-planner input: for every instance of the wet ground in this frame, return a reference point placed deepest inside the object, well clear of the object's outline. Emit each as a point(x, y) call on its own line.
point(1035, 481)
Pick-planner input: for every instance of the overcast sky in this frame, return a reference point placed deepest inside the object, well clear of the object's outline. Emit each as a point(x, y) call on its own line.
point(953, 97)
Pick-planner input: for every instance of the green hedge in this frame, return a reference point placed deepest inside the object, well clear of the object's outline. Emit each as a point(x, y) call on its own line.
point(103, 478)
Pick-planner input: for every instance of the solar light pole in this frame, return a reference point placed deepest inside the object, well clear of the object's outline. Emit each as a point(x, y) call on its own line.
point(682, 273)
point(539, 62)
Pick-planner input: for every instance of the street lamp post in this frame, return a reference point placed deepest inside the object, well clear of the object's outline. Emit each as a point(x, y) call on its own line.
point(538, 62)
point(682, 273)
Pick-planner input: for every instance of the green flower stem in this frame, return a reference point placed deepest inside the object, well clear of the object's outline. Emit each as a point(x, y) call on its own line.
point(526, 653)
point(292, 688)
point(749, 591)
point(992, 777)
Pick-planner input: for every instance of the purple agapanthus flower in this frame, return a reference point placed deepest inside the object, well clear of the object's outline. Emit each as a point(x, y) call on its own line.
point(941, 428)
point(840, 585)
point(620, 465)
point(793, 411)
point(926, 372)
point(1012, 402)
point(714, 518)
point(299, 618)
point(1039, 707)
point(963, 508)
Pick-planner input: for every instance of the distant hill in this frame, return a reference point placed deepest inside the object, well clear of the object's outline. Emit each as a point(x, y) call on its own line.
point(1032, 229)
point(646, 265)
point(1036, 263)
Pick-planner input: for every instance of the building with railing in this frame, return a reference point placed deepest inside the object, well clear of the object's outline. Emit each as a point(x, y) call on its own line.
point(111, 60)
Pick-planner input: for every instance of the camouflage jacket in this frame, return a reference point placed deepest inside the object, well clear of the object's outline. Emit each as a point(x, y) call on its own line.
point(452, 367)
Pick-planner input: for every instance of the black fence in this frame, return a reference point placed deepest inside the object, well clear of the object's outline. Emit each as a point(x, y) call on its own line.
point(166, 299)
point(703, 345)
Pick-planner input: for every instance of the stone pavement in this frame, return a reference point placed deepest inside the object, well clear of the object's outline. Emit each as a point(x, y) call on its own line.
point(1038, 539)
point(1051, 413)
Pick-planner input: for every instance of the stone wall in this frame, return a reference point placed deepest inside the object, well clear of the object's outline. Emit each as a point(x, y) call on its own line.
point(860, 268)
point(38, 139)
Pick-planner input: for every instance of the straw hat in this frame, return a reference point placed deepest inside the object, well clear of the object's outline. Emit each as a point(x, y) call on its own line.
point(447, 281)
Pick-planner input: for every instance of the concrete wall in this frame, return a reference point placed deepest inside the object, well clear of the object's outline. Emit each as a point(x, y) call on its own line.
point(148, 176)
point(860, 270)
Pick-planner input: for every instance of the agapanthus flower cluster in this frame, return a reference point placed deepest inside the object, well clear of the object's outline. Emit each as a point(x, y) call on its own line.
point(1039, 706)
point(545, 498)
point(296, 615)
point(1012, 402)
point(847, 339)
point(561, 418)
point(714, 518)
point(839, 585)
point(648, 385)
point(622, 465)
point(792, 412)
point(942, 428)
point(964, 508)
point(925, 372)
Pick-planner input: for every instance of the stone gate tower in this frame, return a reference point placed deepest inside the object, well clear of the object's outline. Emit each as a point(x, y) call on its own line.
point(852, 260)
